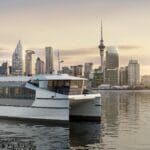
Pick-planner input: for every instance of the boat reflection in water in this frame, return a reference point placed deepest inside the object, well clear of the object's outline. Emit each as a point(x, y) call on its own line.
point(84, 134)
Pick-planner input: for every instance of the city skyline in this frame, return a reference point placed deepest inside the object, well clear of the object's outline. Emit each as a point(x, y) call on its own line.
point(58, 24)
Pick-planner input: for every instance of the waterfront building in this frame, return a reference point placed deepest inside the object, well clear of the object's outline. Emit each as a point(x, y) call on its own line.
point(4, 69)
point(49, 68)
point(123, 75)
point(39, 67)
point(10, 70)
point(145, 81)
point(66, 70)
point(17, 60)
point(88, 67)
point(112, 66)
point(77, 70)
point(1, 70)
point(97, 78)
point(133, 73)
point(30, 63)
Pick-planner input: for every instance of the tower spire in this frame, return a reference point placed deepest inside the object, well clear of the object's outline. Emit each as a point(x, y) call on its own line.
point(101, 48)
point(101, 31)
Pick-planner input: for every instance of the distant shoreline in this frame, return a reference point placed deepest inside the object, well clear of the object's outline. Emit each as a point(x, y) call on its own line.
point(121, 89)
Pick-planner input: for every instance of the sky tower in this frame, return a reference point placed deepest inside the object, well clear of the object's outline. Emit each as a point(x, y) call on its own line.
point(102, 47)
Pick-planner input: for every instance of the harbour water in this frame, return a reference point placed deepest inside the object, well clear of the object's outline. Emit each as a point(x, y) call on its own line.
point(18, 135)
point(125, 126)
point(125, 123)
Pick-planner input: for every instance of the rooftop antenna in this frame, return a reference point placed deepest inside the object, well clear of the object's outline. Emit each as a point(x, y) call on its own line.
point(59, 62)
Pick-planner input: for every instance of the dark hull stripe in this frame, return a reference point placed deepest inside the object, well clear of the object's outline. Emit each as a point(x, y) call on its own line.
point(50, 98)
point(36, 120)
point(85, 118)
point(36, 107)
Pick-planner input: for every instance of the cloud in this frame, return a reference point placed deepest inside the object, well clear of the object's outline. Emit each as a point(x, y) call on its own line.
point(4, 48)
point(80, 51)
point(128, 47)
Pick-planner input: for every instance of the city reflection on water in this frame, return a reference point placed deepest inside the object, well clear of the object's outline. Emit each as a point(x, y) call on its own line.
point(125, 123)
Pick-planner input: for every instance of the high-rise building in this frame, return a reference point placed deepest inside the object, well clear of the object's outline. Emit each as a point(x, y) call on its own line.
point(30, 63)
point(133, 73)
point(17, 60)
point(88, 67)
point(39, 67)
point(77, 70)
point(112, 66)
point(101, 48)
point(123, 75)
point(49, 69)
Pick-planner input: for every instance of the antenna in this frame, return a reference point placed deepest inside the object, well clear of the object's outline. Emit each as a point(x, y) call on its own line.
point(59, 61)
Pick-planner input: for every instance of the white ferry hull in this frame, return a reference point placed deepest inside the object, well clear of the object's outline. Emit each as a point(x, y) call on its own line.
point(86, 108)
point(35, 113)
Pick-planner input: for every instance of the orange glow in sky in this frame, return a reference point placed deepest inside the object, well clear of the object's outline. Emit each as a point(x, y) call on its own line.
point(75, 26)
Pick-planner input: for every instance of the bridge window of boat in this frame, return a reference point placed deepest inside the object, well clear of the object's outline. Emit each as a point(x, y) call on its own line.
point(63, 86)
point(34, 82)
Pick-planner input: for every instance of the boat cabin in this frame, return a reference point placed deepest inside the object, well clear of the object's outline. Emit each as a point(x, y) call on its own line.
point(63, 84)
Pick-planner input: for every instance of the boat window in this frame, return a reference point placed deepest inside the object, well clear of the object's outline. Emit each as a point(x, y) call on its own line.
point(50, 83)
point(67, 83)
point(65, 86)
point(34, 82)
point(76, 84)
point(17, 93)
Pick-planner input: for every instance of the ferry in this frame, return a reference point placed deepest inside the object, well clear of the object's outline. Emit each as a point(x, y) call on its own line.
point(56, 97)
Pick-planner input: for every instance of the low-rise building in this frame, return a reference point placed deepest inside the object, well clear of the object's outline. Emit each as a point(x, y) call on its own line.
point(123, 75)
point(39, 66)
point(133, 73)
point(145, 81)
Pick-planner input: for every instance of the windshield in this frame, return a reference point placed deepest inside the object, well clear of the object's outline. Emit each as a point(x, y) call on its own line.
point(67, 87)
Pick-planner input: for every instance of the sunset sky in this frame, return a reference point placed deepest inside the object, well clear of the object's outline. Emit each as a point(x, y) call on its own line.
point(73, 26)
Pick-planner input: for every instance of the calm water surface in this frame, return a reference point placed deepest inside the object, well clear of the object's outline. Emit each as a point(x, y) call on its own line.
point(16, 135)
point(125, 124)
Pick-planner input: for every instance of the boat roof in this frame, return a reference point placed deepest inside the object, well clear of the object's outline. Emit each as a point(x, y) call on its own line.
point(14, 78)
point(56, 77)
point(39, 77)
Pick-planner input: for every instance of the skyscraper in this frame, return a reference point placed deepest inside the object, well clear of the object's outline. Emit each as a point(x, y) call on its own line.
point(17, 60)
point(133, 73)
point(112, 66)
point(39, 67)
point(101, 48)
point(30, 62)
point(49, 69)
